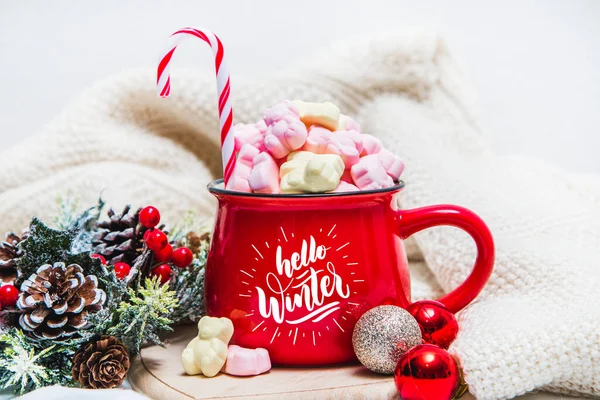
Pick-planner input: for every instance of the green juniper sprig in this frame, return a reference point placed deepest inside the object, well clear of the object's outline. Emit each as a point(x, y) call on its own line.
point(144, 315)
point(27, 365)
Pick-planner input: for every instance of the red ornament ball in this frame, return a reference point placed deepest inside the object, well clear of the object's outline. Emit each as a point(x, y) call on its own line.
point(122, 270)
point(8, 295)
point(438, 325)
point(156, 240)
point(149, 217)
point(164, 272)
point(164, 255)
point(99, 257)
point(426, 372)
point(182, 257)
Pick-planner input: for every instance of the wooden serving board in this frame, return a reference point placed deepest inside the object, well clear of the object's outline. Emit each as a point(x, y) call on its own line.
point(158, 374)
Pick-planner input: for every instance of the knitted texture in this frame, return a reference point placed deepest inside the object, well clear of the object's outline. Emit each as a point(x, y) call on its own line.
point(535, 325)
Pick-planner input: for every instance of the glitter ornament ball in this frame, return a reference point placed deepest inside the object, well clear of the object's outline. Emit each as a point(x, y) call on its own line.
point(427, 372)
point(438, 324)
point(382, 335)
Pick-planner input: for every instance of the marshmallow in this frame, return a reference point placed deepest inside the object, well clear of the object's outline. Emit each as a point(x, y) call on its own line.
point(325, 114)
point(345, 123)
point(392, 164)
point(264, 175)
point(369, 174)
point(246, 362)
point(284, 131)
point(206, 354)
point(371, 145)
point(345, 187)
point(253, 134)
point(312, 173)
point(346, 144)
point(347, 177)
point(239, 177)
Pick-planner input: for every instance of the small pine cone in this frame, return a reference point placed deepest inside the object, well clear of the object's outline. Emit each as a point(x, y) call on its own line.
point(120, 239)
point(9, 253)
point(55, 301)
point(101, 364)
point(194, 241)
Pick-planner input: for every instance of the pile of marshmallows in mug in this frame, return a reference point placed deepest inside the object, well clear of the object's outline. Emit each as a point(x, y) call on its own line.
point(302, 147)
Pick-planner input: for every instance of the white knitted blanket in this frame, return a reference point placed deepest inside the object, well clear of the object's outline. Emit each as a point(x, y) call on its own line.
point(535, 326)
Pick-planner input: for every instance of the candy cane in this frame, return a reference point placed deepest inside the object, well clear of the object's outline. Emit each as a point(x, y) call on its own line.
point(163, 86)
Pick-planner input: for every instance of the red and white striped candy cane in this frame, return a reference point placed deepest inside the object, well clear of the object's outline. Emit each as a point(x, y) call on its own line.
point(163, 85)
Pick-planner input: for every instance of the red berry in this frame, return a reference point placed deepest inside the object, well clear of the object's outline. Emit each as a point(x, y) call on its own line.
point(122, 270)
point(99, 257)
point(9, 295)
point(164, 272)
point(149, 217)
point(164, 255)
point(156, 240)
point(182, 257)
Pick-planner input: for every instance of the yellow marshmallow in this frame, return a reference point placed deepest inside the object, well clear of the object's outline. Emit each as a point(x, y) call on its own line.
point(311, 173)
point(325, 114)
point(206, 354)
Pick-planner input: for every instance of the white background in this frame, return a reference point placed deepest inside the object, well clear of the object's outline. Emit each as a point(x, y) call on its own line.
point(536, 64)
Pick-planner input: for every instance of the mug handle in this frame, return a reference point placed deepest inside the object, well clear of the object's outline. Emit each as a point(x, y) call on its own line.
point(415, 220)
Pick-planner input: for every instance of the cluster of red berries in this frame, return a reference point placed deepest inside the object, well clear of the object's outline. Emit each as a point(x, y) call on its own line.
point(157, 241)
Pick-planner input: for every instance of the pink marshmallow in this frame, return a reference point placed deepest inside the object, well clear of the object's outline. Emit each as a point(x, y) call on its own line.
point(371, 145)
point(392, 164)
point(246, 362)
point(253, 134)
point(345, 187)
point(239, 177)
point(264, 176)
point(346, 144)
point(369, 174)
point(347, 177)
point(284, 130)
point(280, 110)
point(347, 123)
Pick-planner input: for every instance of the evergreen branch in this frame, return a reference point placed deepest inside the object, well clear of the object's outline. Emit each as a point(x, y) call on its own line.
point(144, 314)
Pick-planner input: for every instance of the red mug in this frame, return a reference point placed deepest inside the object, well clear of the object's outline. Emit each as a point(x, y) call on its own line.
point(295, 272)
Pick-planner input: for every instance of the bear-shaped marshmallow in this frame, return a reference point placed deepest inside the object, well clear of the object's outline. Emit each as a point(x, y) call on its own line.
point(264, 176)
point(369, 174)
point(239, 178)
point(325, 114)
point(306, 172)
point(346, 144)
point(371, 145)
point(345, 187)
point(285, 132)
point(253, 134)
point(345, 123)
point(392, 164)
point(246, 362)
point(206, 353)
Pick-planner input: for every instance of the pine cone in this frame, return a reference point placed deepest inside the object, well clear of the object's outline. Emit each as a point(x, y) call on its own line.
point(9, 252)
point(120, 238)
point(55, 301)
point(101, 364)
point(194, 241)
